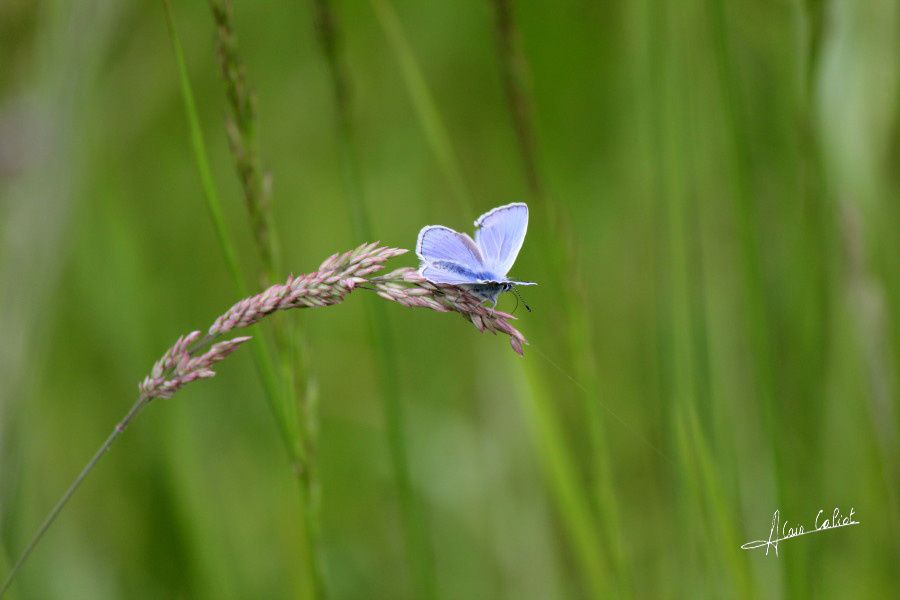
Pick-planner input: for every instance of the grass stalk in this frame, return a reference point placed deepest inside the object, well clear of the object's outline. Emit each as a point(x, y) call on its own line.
point(516, 78)
point(571, 499)
point(424, 104)
point(516, 75)
point(279, 396)
point(751, 268)
point(415, 525)
point(681, 391)
point(201, 159)
point(262, 357)
point(67, 495)
point(748, 223)
point(193, 355)
point(241, 126)
point(688, 350)
point(560, 471)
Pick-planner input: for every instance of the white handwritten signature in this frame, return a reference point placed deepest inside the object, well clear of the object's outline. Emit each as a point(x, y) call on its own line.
point(780, 531)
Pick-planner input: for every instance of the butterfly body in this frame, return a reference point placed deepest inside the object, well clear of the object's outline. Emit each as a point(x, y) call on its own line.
point(481, 264)
point(489, 290)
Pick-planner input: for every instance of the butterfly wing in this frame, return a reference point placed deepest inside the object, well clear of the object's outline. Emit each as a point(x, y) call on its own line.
point(437, 243)
point(449, 256)
point(445, 271)
point(499, 236)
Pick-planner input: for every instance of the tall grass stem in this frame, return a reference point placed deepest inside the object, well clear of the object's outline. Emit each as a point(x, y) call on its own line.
point(277, 395)
point(516, 77)
point(415, 525)
point(241, 127)
point(562, 479)
point(424, 104)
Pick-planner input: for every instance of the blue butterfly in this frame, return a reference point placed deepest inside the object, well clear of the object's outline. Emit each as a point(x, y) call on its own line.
point(478, 265)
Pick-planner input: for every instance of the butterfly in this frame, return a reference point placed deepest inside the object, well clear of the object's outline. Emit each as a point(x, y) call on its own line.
point(478, 265)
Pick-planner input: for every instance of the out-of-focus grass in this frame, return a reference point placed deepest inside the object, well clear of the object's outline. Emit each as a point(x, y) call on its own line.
point(288, 399)
point(728, 172)
point(572, 499)
point(414, 521)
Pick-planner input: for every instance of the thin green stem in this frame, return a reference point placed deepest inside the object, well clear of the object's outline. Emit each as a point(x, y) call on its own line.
point(424, 104)
point(61, 503)
point(418, 543)
point(414, 523)
point(758, 320)
point(213, 204)
point(748, 222)
point(210, 193)
point(308, 508)
point(241, 126)
point(570, 498)
point(279, 398)
point(559, 467)
point(517, 85)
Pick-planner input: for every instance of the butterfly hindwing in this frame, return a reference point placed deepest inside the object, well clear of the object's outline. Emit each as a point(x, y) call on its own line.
point(445, 271)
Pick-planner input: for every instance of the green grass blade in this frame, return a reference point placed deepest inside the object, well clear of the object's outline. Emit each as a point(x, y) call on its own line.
point(424, 104)
point(415, 525)
point(198, 146)
point(562, 475)
point(570, 498)
point(520, 104)
point(213, 204)
point(276, 395)
point(241, 126)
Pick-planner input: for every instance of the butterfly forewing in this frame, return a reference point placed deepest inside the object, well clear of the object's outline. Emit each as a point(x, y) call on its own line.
point(438, 243)
point(499, 236)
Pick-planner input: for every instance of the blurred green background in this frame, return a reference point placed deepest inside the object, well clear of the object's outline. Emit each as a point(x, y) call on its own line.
point(714, 207)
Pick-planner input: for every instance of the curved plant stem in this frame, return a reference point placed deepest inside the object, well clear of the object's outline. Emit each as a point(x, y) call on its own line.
point(193, 355)
point(117, 430)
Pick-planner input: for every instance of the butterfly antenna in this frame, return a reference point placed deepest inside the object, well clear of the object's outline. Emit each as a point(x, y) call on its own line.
point(519, 297)
point(516, 307)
